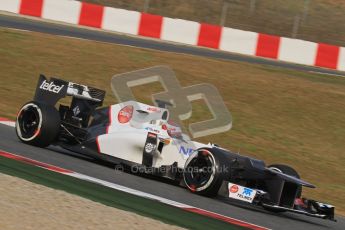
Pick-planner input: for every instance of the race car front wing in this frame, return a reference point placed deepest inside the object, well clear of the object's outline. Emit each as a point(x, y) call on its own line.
point(258, 197)
point(308, 207)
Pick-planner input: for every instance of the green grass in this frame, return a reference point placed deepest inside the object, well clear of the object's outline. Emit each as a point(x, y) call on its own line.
point(324, 21)
point(111, 197)
point(279, 115)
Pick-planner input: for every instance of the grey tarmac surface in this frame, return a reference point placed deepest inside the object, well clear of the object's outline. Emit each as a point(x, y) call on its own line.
point(37, 25)
point(78, 163)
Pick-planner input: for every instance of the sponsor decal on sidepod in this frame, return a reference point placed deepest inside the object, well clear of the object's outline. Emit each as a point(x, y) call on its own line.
point(241, 193)
point(233, 189)
point(185, 151)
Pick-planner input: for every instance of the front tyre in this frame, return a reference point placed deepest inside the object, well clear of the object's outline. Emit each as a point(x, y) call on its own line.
point(205, 171)
point(37, 124)
point(288, 171)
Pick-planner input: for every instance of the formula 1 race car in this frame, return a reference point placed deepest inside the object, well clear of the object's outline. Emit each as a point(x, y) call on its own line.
point(137, 135)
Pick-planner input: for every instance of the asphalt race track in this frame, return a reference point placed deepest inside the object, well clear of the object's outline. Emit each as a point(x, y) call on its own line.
point(75, 162)
point(84, 165)
point(98, 35)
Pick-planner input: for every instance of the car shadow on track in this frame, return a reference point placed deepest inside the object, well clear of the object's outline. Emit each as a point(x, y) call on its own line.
point(235, 203)
point(111, 165)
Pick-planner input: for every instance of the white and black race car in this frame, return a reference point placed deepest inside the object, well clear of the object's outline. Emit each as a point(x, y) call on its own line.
point(137, 135)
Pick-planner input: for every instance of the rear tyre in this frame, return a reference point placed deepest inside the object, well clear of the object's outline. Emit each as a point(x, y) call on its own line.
point(205, 171)
point(37, 124)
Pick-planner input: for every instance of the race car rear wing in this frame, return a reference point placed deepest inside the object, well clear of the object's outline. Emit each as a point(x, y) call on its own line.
point(51, 91)
point(85, 100)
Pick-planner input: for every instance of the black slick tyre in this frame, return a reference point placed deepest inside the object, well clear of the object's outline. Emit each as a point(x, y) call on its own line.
point(289, 171)
point(37, 124)
point(205, 171)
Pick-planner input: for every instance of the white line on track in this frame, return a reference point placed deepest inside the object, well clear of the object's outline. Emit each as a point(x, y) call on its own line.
point(328, 74)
